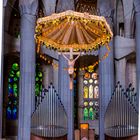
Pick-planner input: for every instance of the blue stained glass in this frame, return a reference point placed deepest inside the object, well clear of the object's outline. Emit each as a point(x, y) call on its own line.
point(13, 83)
point(13, 89)
point(10, 80)
point(10, 90)
point(9, 102)
point(9, 113)
point(14, 115)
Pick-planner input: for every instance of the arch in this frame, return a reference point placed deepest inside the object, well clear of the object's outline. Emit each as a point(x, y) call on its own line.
point(120, 18)
point(133, 24)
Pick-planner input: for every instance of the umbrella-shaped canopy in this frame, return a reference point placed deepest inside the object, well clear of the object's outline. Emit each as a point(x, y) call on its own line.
point(79, 31)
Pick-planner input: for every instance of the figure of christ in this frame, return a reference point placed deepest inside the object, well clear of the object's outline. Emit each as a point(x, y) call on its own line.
point(71, 63)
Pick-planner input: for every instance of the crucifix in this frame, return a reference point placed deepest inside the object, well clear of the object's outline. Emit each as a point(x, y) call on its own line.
point(71, 61)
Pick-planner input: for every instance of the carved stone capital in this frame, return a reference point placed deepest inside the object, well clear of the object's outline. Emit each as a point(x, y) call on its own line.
point(28, 7)
point(49, 6)
point(4, 3)
point(63, 5)
point(137, 6)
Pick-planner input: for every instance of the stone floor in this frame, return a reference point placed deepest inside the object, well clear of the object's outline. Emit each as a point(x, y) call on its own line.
point(11, 138)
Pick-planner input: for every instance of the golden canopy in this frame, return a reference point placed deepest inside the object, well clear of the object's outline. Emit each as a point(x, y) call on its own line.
point(79, 31)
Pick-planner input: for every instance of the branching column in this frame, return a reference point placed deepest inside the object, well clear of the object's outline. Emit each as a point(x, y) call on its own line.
point(121, 71)
point(2, 9)
point(106, 84)
point(66, 95)
point(28, 11)
point(137, 11)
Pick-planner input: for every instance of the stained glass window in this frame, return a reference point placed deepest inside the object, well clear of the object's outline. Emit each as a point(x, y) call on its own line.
point(96, 92)
point(85, 113)
point(38, 80)
point(13, 89)
point(13, 92)
point(85, 92)
point(91, 91)
point(91, 114)
point(90, 95)
point(85, 103)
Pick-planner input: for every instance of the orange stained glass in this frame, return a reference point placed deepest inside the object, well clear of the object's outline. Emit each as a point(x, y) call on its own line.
point(84, 126)
point(87, 75)
point(85, 92)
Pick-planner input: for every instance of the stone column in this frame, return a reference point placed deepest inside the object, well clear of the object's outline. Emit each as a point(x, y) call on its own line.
point(55, 74)
point(2, 9)
point(66, 95)
point(80, 96)
point(106, 70)
point(47, 75)
point(121, 71)
point(106, 84)
point(28, 10)
point(137, 10)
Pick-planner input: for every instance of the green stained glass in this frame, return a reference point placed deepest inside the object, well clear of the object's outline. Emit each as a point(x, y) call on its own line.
point(12, 72)
point(91, 114)
point(15, 90)
point(36, 79)
point(85, 113)
point(15, 102)
point(39, 74)
point(15, 79)
point(37, 89)
point(91, 96)
point(15, 94)
point(11, 75)
point(15, 85)
point(37, 85)
point(9, 86)
point(18, 74)
point(15, 66)
point(41, 87)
